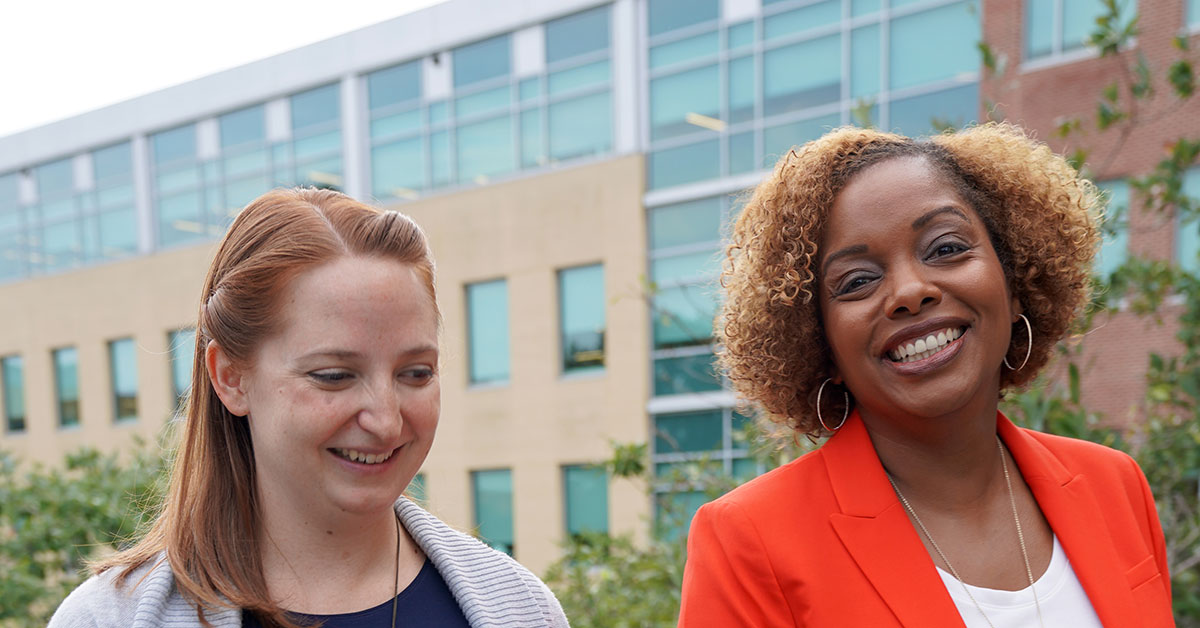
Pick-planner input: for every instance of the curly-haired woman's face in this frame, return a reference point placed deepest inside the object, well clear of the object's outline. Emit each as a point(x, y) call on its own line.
point(914, 300)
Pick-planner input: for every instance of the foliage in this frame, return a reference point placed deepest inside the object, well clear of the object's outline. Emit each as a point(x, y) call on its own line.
point(52, 521)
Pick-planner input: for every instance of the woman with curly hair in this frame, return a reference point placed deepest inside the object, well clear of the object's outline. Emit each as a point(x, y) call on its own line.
point(887, 291)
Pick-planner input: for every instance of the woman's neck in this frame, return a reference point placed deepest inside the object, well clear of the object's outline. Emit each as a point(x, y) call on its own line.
point(333, 564)
point(950, 462)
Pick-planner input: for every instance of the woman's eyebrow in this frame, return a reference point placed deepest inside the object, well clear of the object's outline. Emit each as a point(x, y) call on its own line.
point(934, 213)
point(857, 249)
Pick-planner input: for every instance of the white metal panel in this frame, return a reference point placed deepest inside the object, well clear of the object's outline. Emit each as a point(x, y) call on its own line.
point(529, 50)
point(208, 139)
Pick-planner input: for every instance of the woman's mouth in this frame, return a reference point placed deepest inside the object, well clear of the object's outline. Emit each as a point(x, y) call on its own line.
point(922, 348)
point(354, 455)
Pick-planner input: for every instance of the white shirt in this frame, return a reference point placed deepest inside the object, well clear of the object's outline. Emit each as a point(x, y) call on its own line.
point(1062, 599)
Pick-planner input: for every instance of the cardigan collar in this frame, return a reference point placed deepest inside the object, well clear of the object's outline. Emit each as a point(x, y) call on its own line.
point(875, 528)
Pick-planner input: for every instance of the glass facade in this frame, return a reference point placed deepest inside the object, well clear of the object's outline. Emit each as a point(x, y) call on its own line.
point(56, 221)
point(727, 98)
point(585, 495)
point(245, 164)
point(110, 219)
point(14, 239)
point(493, 497)
point(1114, 248)
point(12, 376)
point(122, 363)
point(1187, 234)
point(66, 385)
point(487, 332)
point(182, 345)
point(314, 154)
point(581, 317)
point(1054, 27)
point(1193, 13)
point(186, 211)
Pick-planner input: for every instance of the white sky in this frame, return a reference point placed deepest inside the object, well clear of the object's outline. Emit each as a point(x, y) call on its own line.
point(59, 58)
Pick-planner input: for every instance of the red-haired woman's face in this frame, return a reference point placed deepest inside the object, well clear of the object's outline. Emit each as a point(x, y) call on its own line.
point(904, 260)
point(343, 400)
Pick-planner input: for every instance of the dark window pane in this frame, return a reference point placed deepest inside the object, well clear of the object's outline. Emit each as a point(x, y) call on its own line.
point(481, 61)
point(779, 139)
point(494, 508)
point(66, 385)
point(668, 15)
point(394, 85)
point(688, 432)
point(676, 376)
point(586, 488)
point(802, 75)
point(55, 179)
point(487, 331)
point(112, 162)
point(918, 115)
point(12, 371)
point(123, 368)
point(315, 107)
point(582, 308)
point(685, 223)
point(243, 126)
point(685, 164)
point(577, 34)
point(174, 145)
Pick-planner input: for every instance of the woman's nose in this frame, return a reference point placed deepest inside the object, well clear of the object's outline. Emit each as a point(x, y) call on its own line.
point(382, 412)
point(911, 290)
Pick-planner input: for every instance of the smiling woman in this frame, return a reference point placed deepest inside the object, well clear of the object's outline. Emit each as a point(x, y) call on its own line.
point(315, 397)
point(886, 291)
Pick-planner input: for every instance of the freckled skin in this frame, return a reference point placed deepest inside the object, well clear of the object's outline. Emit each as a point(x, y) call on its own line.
point(376, 313)
point(904, 276)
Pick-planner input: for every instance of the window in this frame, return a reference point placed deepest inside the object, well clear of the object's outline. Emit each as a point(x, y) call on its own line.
point(56, 220)
point(1193, 13)
point(316, 146)
point(586, 498)
point(493, 494)
point(245, 159)
point(1187, 235)
point(122, 363)
point(12, 374)
point(66, 385)
point(480, 61)
point(182, 345)
point(398, 157)
point(14, 256)
point(487, 331)
point(110, 220)
point(581, 317)
point(1054, 27)
point(731, 98)
point(179, 192)
point(1114, 247)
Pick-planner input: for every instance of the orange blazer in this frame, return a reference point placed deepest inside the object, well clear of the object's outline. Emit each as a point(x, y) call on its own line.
point(824, 541)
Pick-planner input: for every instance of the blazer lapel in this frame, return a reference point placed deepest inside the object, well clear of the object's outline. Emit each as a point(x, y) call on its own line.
point(876, 532)
point(1070, 505)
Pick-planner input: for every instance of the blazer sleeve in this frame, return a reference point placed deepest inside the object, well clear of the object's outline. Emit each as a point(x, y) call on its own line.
point(729, 579)
point(1157, 543)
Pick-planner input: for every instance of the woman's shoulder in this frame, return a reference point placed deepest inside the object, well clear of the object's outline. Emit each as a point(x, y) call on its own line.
point(106, 599)
point(491, 587)
point(802, 484)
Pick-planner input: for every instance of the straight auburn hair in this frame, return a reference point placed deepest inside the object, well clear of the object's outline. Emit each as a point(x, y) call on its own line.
point(208, 522)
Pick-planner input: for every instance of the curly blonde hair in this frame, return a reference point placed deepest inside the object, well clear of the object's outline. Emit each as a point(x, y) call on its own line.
point(1040, 214)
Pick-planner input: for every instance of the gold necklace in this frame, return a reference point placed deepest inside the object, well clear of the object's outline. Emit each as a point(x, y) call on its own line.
point(1020, 537)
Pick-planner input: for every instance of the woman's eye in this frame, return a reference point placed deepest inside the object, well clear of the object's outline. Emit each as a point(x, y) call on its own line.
point(330, 377)
point(852, 284)
point(418, 375)
point(948, 248)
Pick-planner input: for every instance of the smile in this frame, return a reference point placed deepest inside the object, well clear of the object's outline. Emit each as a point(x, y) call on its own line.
point(926, 347)
point(354, 455)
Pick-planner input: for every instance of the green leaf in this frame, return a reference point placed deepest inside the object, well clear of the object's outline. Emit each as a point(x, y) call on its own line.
point(1182, 78)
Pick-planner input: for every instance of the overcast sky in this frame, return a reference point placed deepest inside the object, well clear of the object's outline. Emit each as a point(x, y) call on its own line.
point(59, 58)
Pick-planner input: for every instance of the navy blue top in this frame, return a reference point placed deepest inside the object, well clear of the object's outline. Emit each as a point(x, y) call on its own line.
point(426, 601)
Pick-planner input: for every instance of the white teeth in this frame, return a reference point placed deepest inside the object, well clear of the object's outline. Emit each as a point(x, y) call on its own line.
point(924, 347)
point(358, 456)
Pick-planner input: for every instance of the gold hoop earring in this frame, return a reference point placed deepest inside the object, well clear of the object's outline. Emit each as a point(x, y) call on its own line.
point(1028, 349)
point(845, 413)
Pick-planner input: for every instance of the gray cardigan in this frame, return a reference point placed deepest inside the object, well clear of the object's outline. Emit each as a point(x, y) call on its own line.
point(492, 589)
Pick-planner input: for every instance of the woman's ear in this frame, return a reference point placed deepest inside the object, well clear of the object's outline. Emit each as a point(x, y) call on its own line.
point(226, 379)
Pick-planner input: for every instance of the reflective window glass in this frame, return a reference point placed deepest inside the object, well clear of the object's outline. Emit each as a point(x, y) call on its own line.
point(55, 179)
point(933, 45)
point(180, 219)
point(581, 317)
point(673, 512)
point(533, 149)
point(581, 77)
point(114, 162)
point(666, 15)
point(243, 126)
point(1039, 28)
point(577, 34)
point(741, 153)
point(1114, 247)
point(122, 355)
point(316, 107)
point(1187, 234)
point(493, 493)
point(674, 97)
point(740, 35)
point(12, 372)
point(581, 126)
point(585, 490)
point(66, 385)
point(863, 7)
point(787, 87)
point(685, 223)
point(485, 149)
point(687, 267)
point(393, 85)
point(688, 432)
point(530, 89)
point(487, 331)
point(1193, 12)
point(398, 169)
point(921, 115)
point(62, 245)
point(741, 89)
point(683, 315)
point(482, 60)
point(864, 61)
point(691, 48)
point(174, 145)
point(118, 232)
point(8, 190)
point(182, 345)
point(685, 164)
point(13, 254)
point(439, 158)
point(688, 374)
point(802, 19)
point(1079, 20)
point(781, 138)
